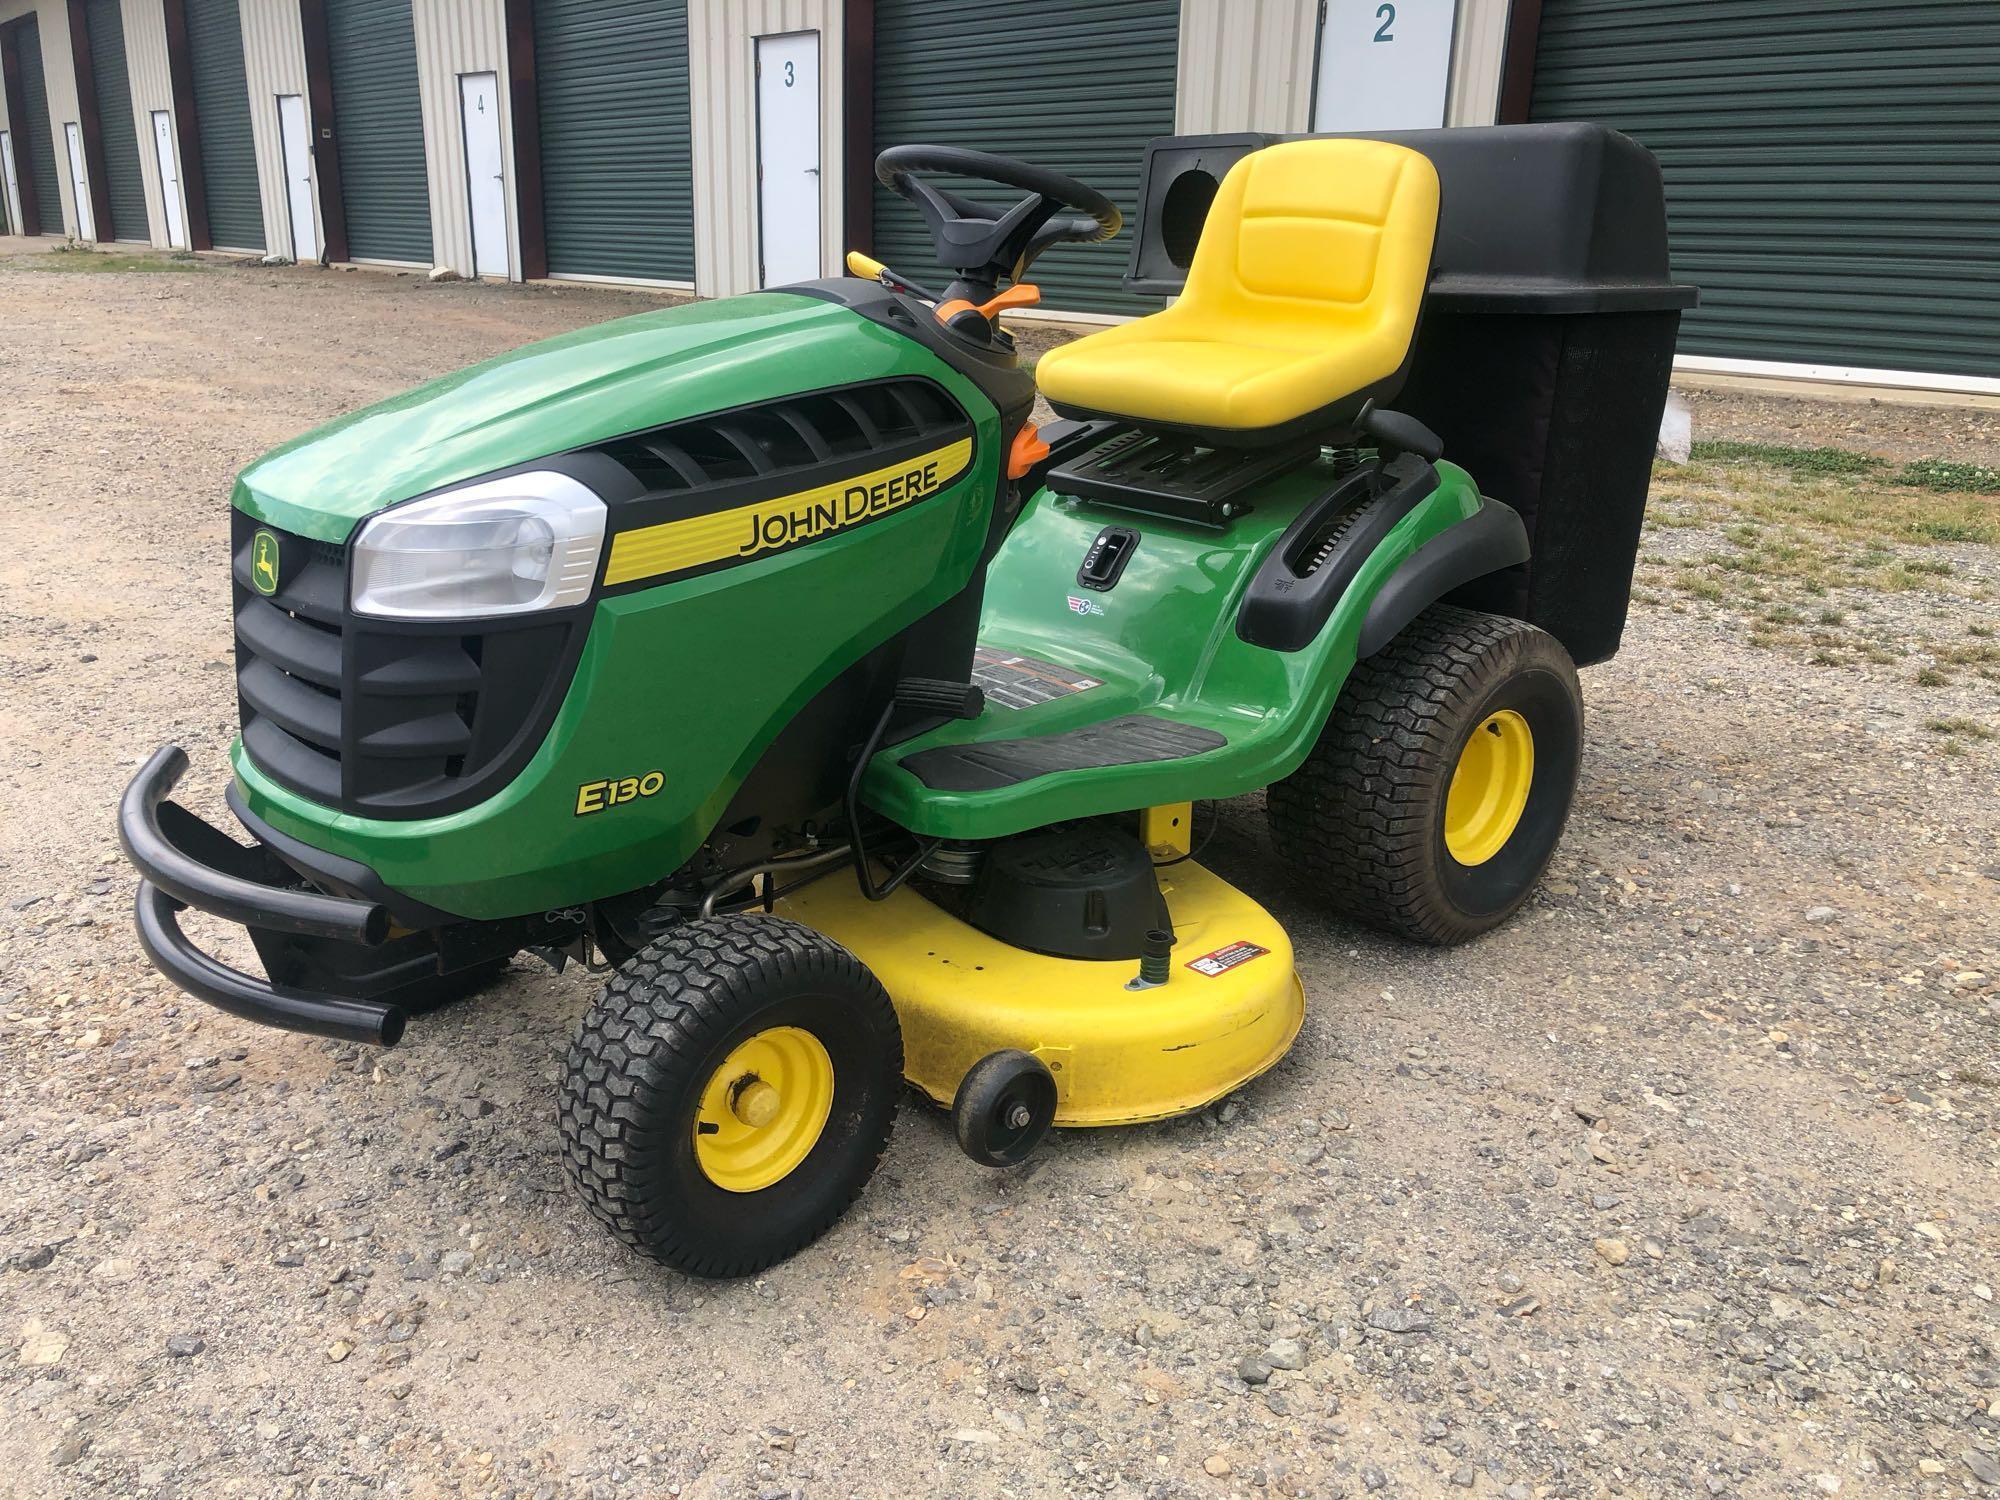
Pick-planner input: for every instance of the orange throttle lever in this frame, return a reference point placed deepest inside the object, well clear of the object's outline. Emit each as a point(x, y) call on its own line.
point(1020, 294)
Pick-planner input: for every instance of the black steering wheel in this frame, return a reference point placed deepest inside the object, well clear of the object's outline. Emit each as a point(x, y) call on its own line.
point(980, 243)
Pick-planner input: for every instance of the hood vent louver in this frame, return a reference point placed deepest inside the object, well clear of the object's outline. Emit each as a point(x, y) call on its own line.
point(775, 440)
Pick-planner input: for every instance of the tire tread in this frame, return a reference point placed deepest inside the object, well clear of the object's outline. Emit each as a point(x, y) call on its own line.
point(1358, 815)
point(649, 1030)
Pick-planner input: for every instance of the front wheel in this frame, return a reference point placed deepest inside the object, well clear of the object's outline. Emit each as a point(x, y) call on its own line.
point(1442, 781)
point(730, 1092)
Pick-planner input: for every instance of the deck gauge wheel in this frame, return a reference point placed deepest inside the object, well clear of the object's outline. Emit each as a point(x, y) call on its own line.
point(1004, 1106)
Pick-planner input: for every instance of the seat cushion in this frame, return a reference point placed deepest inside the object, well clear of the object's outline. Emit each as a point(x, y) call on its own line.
point(1190, 382)
point(1304, 291)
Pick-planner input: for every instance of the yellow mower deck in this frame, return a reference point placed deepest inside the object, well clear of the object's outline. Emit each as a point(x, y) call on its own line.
point(1119, 1056)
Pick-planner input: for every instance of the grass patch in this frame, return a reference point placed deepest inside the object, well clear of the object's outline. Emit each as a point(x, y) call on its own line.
point(90, 260)
point(1972, 729)
point(1944, 530)
point(1794, 460)
point(1941, 474)
point(1931, 677)
point(1968, 656)
point(1787, 516)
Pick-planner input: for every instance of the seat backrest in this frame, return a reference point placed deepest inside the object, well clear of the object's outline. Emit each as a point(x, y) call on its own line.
point(1317, 239)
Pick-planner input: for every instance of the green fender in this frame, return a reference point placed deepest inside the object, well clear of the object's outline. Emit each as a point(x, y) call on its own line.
point(1164, 644)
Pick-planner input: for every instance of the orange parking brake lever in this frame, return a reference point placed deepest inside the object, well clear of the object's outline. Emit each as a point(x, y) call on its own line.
point(1028, 450)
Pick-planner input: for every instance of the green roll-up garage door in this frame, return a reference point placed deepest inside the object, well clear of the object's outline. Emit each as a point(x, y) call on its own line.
point(1832, 169)
point(617, 157)
point(35, 136)
point(1080, 87)
point(126, 189)
point(378, 125)
point(222, 124)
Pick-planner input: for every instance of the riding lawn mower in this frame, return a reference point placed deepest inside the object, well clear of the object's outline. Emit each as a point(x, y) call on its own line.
point(767, 653)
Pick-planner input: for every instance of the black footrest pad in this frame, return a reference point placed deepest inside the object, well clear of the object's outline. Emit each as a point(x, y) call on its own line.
point(1132, 740)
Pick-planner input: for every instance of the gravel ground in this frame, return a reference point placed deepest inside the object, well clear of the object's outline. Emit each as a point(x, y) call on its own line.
point(1686, 1183)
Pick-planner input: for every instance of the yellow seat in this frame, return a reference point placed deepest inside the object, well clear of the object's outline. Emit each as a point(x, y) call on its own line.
point(1302, 299)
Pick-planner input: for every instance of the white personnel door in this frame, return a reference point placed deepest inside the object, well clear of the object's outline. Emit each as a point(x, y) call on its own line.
point(295, 138)
point(1383, 64)
point(79, 183)
point(170, 179)
point(12, 184)
point(788, 158)
point(485, 172)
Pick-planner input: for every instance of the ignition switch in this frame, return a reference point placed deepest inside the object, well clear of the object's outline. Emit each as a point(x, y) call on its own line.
point(1107, 557)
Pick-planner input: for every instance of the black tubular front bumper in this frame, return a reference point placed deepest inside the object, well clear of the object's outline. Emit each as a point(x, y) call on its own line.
point(185, 862)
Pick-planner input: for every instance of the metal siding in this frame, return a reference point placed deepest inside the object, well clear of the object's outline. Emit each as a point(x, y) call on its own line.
point(59, 90)
point(1832, 169)
point(222, 121)
point(378, 129)
point(616, 131)
point(723, 97)
point(1246, 65)
point(456, 37)
point(274, 59)
point(151, 88)
point(1080, 87)
point(1478, 52)
point(1249, 64)
point(125, 192)
point(37, 132)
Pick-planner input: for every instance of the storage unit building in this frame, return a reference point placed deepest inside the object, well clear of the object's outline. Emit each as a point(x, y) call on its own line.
point(1832, 172)
point(617, 172)
point(1831, 169)
point(121, 197)
point(1079, 87)
point(222, 120)
point(378, 130)
point(33, 130)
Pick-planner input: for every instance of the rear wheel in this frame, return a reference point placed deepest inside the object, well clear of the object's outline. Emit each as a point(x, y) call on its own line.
point(730, 1093)
point(1441, 784)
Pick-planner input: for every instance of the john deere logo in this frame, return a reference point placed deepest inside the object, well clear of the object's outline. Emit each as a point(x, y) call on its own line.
point(264, 563)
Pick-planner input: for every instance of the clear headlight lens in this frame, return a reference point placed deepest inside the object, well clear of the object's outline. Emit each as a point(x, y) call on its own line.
point(500, 547)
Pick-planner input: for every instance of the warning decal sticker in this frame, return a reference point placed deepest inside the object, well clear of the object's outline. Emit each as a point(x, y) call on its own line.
point(1222, 960)
point(1011, 680)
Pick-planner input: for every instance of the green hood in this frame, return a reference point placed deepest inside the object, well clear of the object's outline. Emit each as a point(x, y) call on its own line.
point(596, 383)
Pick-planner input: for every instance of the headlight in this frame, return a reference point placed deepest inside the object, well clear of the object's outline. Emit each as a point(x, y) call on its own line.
point(499, 547)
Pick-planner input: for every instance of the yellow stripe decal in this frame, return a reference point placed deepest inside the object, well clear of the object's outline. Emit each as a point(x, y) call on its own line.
point(786, 521)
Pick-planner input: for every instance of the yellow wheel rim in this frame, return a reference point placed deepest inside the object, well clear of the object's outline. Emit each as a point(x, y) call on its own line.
point(1489, 789)
point(763, 1110)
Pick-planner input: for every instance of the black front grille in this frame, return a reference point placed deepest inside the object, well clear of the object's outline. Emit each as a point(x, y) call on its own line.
point(394, 719)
